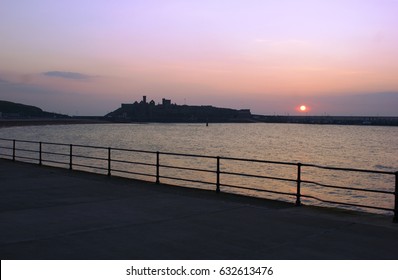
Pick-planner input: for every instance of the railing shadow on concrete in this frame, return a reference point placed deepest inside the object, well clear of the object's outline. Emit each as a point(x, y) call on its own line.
point(33, 152)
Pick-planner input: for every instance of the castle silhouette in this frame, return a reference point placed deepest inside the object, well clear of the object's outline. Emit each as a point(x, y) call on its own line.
point(166, 111)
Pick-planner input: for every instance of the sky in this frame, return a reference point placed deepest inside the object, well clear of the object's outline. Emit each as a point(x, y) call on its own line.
point(83, 57)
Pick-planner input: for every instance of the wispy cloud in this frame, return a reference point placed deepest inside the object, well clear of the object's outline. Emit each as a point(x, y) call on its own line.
point(67, 75)
point(2, 81)
point(288, 42)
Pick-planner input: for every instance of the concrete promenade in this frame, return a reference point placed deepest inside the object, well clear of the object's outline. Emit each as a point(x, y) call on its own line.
point(51, 213)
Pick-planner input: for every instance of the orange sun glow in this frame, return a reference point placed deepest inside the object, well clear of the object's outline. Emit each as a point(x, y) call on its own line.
point(303, 108)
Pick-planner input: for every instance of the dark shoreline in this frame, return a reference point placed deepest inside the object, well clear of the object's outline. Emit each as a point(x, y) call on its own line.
point(34, 122)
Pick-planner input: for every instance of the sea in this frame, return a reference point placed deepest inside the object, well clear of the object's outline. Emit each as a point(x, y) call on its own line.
point(354, 147)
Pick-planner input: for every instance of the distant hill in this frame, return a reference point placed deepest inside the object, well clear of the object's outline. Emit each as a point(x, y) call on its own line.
point(17, 110)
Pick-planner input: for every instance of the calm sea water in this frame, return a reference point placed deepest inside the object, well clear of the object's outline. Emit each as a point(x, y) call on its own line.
point(365, 147)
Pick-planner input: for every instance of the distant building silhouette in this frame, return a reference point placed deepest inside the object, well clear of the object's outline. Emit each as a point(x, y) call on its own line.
point(166, 102)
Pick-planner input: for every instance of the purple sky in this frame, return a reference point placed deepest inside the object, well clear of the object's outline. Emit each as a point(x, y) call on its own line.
point(87, 57)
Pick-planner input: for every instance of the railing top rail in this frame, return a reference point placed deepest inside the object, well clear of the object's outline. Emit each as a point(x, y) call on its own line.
point(349, 169)
point(260, 161)
point(90, 146)
point(23, 141)
point(187, 155)
point(347, 188)
point(133, 150)
point(34, 142)
point(55, 144)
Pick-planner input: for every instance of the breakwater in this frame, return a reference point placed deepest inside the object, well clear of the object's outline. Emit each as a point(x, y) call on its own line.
point(331, 120)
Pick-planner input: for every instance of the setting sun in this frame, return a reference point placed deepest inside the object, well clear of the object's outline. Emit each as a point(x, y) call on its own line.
point(303, 108)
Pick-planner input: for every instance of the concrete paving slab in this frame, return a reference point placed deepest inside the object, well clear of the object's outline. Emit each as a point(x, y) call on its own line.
point(53, 213)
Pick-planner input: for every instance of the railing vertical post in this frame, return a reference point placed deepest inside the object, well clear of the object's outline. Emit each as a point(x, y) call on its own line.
point(395, 219)
point(70, 156)
point(13, 150)
point(298, 194)
point(157, 168)
point(40, 153)
point(218, 175)
point(109, 161)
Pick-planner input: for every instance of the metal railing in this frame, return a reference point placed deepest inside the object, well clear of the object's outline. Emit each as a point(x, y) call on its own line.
point(34, 152)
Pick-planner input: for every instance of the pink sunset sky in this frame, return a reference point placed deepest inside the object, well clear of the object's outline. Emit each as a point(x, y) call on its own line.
point(83, 57)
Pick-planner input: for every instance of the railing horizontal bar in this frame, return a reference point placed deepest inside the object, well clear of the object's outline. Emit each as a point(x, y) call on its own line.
point(54, 144)
point(347, 204)
point(26, 150)
point(54, 161)
point(187, 155)
point(260, 161)
point(131, 172)
point(18, 156)
point(90, 146)
point(349, 169)
point(7, 155)
point(34, 142)
point(346, 188)
point(6, 148)
point(187, 180)
point(187, 168)
point(89, 157)
point(133, 162)
point(54, 153)
point(89, 166)
point(258, 176)
point(255, 189)
point(21, 141)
